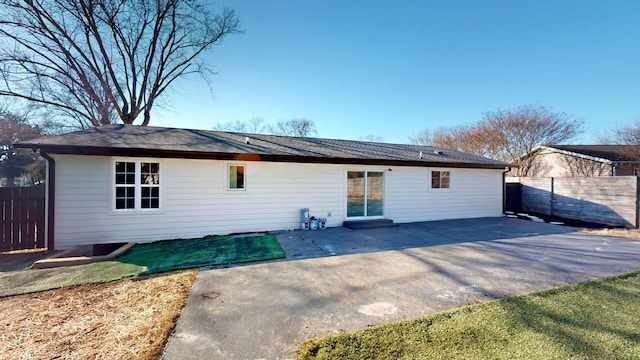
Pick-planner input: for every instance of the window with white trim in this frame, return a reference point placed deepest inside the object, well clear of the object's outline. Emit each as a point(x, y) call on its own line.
point(137, 185)
point(236, 175)
point(440, 179)
point(149, 185)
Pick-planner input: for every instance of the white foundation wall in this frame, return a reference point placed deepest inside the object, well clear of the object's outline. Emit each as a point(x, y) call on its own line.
point(195, 201)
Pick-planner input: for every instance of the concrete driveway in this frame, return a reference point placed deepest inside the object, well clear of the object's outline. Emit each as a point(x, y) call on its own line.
point(340, 280)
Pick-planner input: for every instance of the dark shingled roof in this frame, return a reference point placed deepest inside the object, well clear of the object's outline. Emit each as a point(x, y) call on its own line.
point(130, 140)
point(613, 153)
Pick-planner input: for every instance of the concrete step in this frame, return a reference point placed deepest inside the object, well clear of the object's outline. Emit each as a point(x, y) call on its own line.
point(368, 224)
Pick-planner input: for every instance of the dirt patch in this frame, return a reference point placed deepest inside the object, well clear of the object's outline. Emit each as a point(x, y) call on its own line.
point(625, 233)
point(127, 319)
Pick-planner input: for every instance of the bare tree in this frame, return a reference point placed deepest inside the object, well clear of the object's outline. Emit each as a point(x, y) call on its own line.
point(16, 162)
point(507, 135)
point(301, 127)
point(233, 126)
point(422, 137)
point(623, 135)
point(257, 125)
point(462, 138)
point(373, 138)
point(510, 134)
point(99, 61)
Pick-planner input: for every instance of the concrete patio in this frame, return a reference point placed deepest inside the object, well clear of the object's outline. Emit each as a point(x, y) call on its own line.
point(341, 280)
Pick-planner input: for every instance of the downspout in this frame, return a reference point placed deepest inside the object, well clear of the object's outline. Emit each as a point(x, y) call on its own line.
point(504, 189)
point(51, 191)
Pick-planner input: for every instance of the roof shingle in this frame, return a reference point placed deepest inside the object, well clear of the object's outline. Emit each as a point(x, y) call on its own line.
point(613, 153)
point(162, 142)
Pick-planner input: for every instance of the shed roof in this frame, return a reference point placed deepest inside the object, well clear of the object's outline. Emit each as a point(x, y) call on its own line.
point(130, 140)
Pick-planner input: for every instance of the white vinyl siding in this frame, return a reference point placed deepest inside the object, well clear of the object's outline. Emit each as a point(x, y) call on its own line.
point(196, 200)
point(472, 193)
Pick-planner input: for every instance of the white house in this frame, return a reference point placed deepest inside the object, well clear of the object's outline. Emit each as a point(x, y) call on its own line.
point(123, 183)
point(584, 160)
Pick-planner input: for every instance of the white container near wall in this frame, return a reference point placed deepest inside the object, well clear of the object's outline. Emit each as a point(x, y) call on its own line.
point(322, 223)
point(314, 224)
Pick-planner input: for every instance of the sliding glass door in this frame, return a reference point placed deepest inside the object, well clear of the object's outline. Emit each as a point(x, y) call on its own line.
point(365, 193)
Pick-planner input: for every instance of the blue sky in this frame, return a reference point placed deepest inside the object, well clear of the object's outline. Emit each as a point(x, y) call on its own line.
point(393, 68)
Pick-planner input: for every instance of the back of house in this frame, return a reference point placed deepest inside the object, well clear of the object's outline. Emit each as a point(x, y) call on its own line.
point(124, 183)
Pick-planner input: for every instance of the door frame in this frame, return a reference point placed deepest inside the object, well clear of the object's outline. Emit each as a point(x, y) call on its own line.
point(346, 194)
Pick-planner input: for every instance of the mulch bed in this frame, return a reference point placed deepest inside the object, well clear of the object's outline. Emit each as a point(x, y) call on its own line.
point(127, 319)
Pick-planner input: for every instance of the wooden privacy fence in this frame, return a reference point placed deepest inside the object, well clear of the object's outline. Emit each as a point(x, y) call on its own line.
point(610, 200)
point(22, 218)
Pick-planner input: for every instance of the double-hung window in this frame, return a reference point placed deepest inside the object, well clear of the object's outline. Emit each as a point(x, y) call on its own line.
point(137, 185)
point(439, 179)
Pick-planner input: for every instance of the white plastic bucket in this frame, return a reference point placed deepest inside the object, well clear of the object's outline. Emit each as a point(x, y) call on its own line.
point(314, 224)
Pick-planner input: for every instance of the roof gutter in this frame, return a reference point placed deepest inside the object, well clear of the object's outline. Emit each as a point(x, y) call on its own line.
point(50, 200)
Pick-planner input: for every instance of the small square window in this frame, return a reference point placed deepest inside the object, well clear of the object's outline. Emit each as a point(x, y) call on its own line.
point(149, 173)
point(150, 198)
point(125, 197)
point(125, 173)
point(439, 179)
point(236, 177)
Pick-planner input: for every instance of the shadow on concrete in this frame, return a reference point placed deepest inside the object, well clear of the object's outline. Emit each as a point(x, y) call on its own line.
point(268, 310)
point(341, 241)
point(20, 260)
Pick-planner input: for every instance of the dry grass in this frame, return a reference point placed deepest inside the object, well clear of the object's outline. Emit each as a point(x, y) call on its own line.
point(625, 233)
point(127, 319)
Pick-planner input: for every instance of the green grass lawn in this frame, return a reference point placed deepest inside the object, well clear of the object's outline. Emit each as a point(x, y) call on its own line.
point(592, 320)
point(143, 259)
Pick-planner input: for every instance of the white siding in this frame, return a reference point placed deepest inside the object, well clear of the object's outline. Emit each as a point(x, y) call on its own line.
point(473, 193)
point(195, 201)
point(548, 163)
